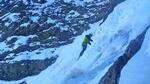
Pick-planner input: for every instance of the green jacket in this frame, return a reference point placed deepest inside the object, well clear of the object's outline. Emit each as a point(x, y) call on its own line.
point(86, 40)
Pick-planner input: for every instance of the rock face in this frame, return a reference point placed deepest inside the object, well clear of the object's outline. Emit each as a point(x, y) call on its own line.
point(21, 69)
point(113, 74)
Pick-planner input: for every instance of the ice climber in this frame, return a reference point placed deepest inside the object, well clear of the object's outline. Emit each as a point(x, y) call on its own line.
point(87, 40)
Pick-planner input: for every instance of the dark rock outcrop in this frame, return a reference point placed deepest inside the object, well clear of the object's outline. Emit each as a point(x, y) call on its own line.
point(23, 82)
point(113, 74)
point(24, 68)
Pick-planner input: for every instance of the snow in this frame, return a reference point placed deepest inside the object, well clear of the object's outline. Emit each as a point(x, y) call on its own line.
point(50, 20)
point(77, 2)
point(11, 16)
point(5, 15)
point(25, 24)
point(21, 40)
point(109, 42)
point(119, 29)
point(25, 1)
point(3, 47)
point(34, 18)
point(137, 69)
point(72, 14)
point(43, 54)
point(7, 24)
point(82, 2)
point(103, 2)
point(27, 55)
point(48, 2)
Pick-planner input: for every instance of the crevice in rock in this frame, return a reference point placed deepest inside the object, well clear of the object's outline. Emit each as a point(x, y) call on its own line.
point(113, 74)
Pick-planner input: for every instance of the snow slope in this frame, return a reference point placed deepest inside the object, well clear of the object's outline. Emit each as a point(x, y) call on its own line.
point(109, 41)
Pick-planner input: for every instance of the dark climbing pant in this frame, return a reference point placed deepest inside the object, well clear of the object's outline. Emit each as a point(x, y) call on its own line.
point(84, 48)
